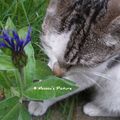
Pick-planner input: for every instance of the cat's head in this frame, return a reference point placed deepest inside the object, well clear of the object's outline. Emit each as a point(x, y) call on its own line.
point(95, 27)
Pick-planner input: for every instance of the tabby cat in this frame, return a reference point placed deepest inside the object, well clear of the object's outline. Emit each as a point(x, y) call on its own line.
point(82, 41)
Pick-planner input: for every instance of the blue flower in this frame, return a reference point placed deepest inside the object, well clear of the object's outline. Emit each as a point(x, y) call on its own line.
point(14, 42)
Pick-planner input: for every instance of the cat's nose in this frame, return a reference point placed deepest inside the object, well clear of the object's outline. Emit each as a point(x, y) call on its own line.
point(58, 71)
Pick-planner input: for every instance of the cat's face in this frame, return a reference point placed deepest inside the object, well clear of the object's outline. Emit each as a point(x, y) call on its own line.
point(95, 33)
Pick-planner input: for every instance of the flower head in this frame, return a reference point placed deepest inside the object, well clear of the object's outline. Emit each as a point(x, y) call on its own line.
point(16, 45)
point(14, 42)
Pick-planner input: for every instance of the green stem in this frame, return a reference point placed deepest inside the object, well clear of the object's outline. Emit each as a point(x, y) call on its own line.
point(21, 71)
point(21, 81)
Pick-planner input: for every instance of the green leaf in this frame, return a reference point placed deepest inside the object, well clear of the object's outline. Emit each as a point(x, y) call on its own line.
point(9, 79)
point(50, 88)
point(12, 109)
point(22, 32)
point(1, 24)
point(7, 51)
point(10, 24)
point(8, 105)
point(6, 62)
point(13, 113)
point(42, 70)
point(3, 81)
point(23, 114)
point(15, 92)
point(29, 70)
point(30, 67)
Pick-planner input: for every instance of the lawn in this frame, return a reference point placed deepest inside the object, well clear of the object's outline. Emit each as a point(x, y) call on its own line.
point(31, 12)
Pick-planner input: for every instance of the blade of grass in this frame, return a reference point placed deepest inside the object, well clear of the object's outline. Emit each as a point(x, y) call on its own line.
point(25, 12)
point(70, 115)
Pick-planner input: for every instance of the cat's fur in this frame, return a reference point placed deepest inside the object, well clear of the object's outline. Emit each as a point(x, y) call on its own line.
point(83, 38)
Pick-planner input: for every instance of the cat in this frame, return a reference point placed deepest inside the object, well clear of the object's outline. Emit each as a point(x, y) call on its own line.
point(82, 40)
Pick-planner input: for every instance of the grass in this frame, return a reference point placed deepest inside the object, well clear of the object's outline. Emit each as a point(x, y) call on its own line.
point(31, 12)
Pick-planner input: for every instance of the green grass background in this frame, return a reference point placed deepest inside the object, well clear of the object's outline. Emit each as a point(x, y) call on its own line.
point(31, 12)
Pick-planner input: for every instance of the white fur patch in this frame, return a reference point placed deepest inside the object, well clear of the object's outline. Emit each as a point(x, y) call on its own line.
point(55, 45)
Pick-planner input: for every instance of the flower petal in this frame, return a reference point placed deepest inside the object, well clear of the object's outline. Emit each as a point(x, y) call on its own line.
point(20, 46)
point(3, 45)
point(16, 36)
point(7, 38)
point(12, 43)
point(28, 37)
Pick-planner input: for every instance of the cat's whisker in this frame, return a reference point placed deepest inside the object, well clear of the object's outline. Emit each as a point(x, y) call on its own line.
point(78, 72)
point(92, 80)
point(100, 75)
point(116, 60)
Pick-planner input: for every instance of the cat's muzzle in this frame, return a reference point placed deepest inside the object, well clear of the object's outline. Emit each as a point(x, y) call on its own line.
point(58, 71)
